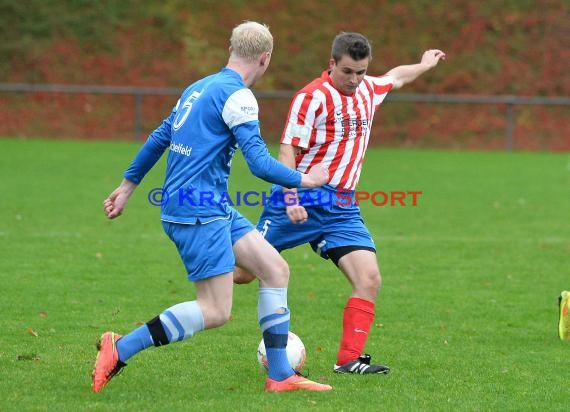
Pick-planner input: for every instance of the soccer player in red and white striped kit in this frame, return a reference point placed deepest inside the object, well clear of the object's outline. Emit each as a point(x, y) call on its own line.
point(329, 123)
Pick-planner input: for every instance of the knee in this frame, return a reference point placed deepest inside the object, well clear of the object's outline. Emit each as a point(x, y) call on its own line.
point(374, 281)
point(282, 271)
point(377, 281)
point(278, 274)
point(370, 281)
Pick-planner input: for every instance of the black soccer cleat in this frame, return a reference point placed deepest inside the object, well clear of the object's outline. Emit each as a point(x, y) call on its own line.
point(361, 366)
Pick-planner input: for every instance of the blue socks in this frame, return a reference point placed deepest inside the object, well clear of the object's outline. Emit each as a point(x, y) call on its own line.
point(133, 343)
point(183, 320)
point(175, 324)
point(274, 321)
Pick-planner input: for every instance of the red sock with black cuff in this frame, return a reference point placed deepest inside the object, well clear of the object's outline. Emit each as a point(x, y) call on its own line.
point(356, 322)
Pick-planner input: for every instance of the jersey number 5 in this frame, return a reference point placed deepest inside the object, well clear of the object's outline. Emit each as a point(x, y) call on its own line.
point(265, 227)
point(183, 112)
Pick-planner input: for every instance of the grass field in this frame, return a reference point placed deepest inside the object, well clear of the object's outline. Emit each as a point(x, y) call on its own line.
point(467, 317)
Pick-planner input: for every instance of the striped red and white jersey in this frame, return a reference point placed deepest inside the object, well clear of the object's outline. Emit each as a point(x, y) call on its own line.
point(332, 128)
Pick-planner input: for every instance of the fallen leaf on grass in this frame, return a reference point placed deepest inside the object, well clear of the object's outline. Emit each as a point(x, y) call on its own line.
point(29, 357)
point(43, 314)
point(32, 332)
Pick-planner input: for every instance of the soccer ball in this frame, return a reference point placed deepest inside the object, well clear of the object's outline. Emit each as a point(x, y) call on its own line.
point(295, 352)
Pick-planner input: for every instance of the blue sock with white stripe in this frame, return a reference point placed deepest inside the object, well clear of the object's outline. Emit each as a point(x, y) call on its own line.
point(175, 324)
point(274, 321)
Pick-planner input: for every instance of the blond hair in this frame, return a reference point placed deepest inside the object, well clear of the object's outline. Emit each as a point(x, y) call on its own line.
point(250, 39)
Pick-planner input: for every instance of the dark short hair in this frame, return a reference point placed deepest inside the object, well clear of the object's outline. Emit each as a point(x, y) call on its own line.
point(354, 45)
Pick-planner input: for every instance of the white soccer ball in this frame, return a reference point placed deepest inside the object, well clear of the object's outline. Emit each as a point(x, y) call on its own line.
point(295, 352)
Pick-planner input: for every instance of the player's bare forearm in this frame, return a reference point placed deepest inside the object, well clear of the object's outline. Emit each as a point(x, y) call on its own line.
point(317, 176)
point(287, 157)
point(296, 212)
point(115, 203)
point(409, 72)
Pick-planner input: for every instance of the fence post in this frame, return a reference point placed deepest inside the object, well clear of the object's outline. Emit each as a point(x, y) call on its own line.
point(138, 115)
point(510, 124)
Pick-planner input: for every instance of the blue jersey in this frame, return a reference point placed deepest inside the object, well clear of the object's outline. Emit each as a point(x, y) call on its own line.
point(212, 118)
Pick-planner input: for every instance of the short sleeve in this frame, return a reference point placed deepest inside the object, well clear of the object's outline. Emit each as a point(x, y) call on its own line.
point(241, 107)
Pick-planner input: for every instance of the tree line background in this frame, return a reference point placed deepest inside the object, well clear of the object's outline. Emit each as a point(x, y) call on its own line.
point(514, 47)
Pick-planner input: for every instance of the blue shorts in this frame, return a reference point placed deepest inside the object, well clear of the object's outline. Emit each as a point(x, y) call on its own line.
point(331, 224)
point(206, 248)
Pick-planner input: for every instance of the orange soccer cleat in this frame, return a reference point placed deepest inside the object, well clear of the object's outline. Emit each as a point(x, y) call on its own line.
point(296, 382)
point(107, 363)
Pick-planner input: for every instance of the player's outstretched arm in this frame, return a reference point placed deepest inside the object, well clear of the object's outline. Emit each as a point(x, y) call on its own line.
point(114, 204)
point(408, 73)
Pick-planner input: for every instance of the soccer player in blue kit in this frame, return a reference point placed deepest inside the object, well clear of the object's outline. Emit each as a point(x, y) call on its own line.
point(213, 117)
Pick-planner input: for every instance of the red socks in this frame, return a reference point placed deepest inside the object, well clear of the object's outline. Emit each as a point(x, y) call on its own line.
point(357, 319)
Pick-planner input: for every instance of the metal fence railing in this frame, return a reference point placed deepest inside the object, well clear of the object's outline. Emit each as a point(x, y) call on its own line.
point(510, 101)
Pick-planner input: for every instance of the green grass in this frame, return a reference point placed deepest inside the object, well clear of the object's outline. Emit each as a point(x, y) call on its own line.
point(466, 318)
